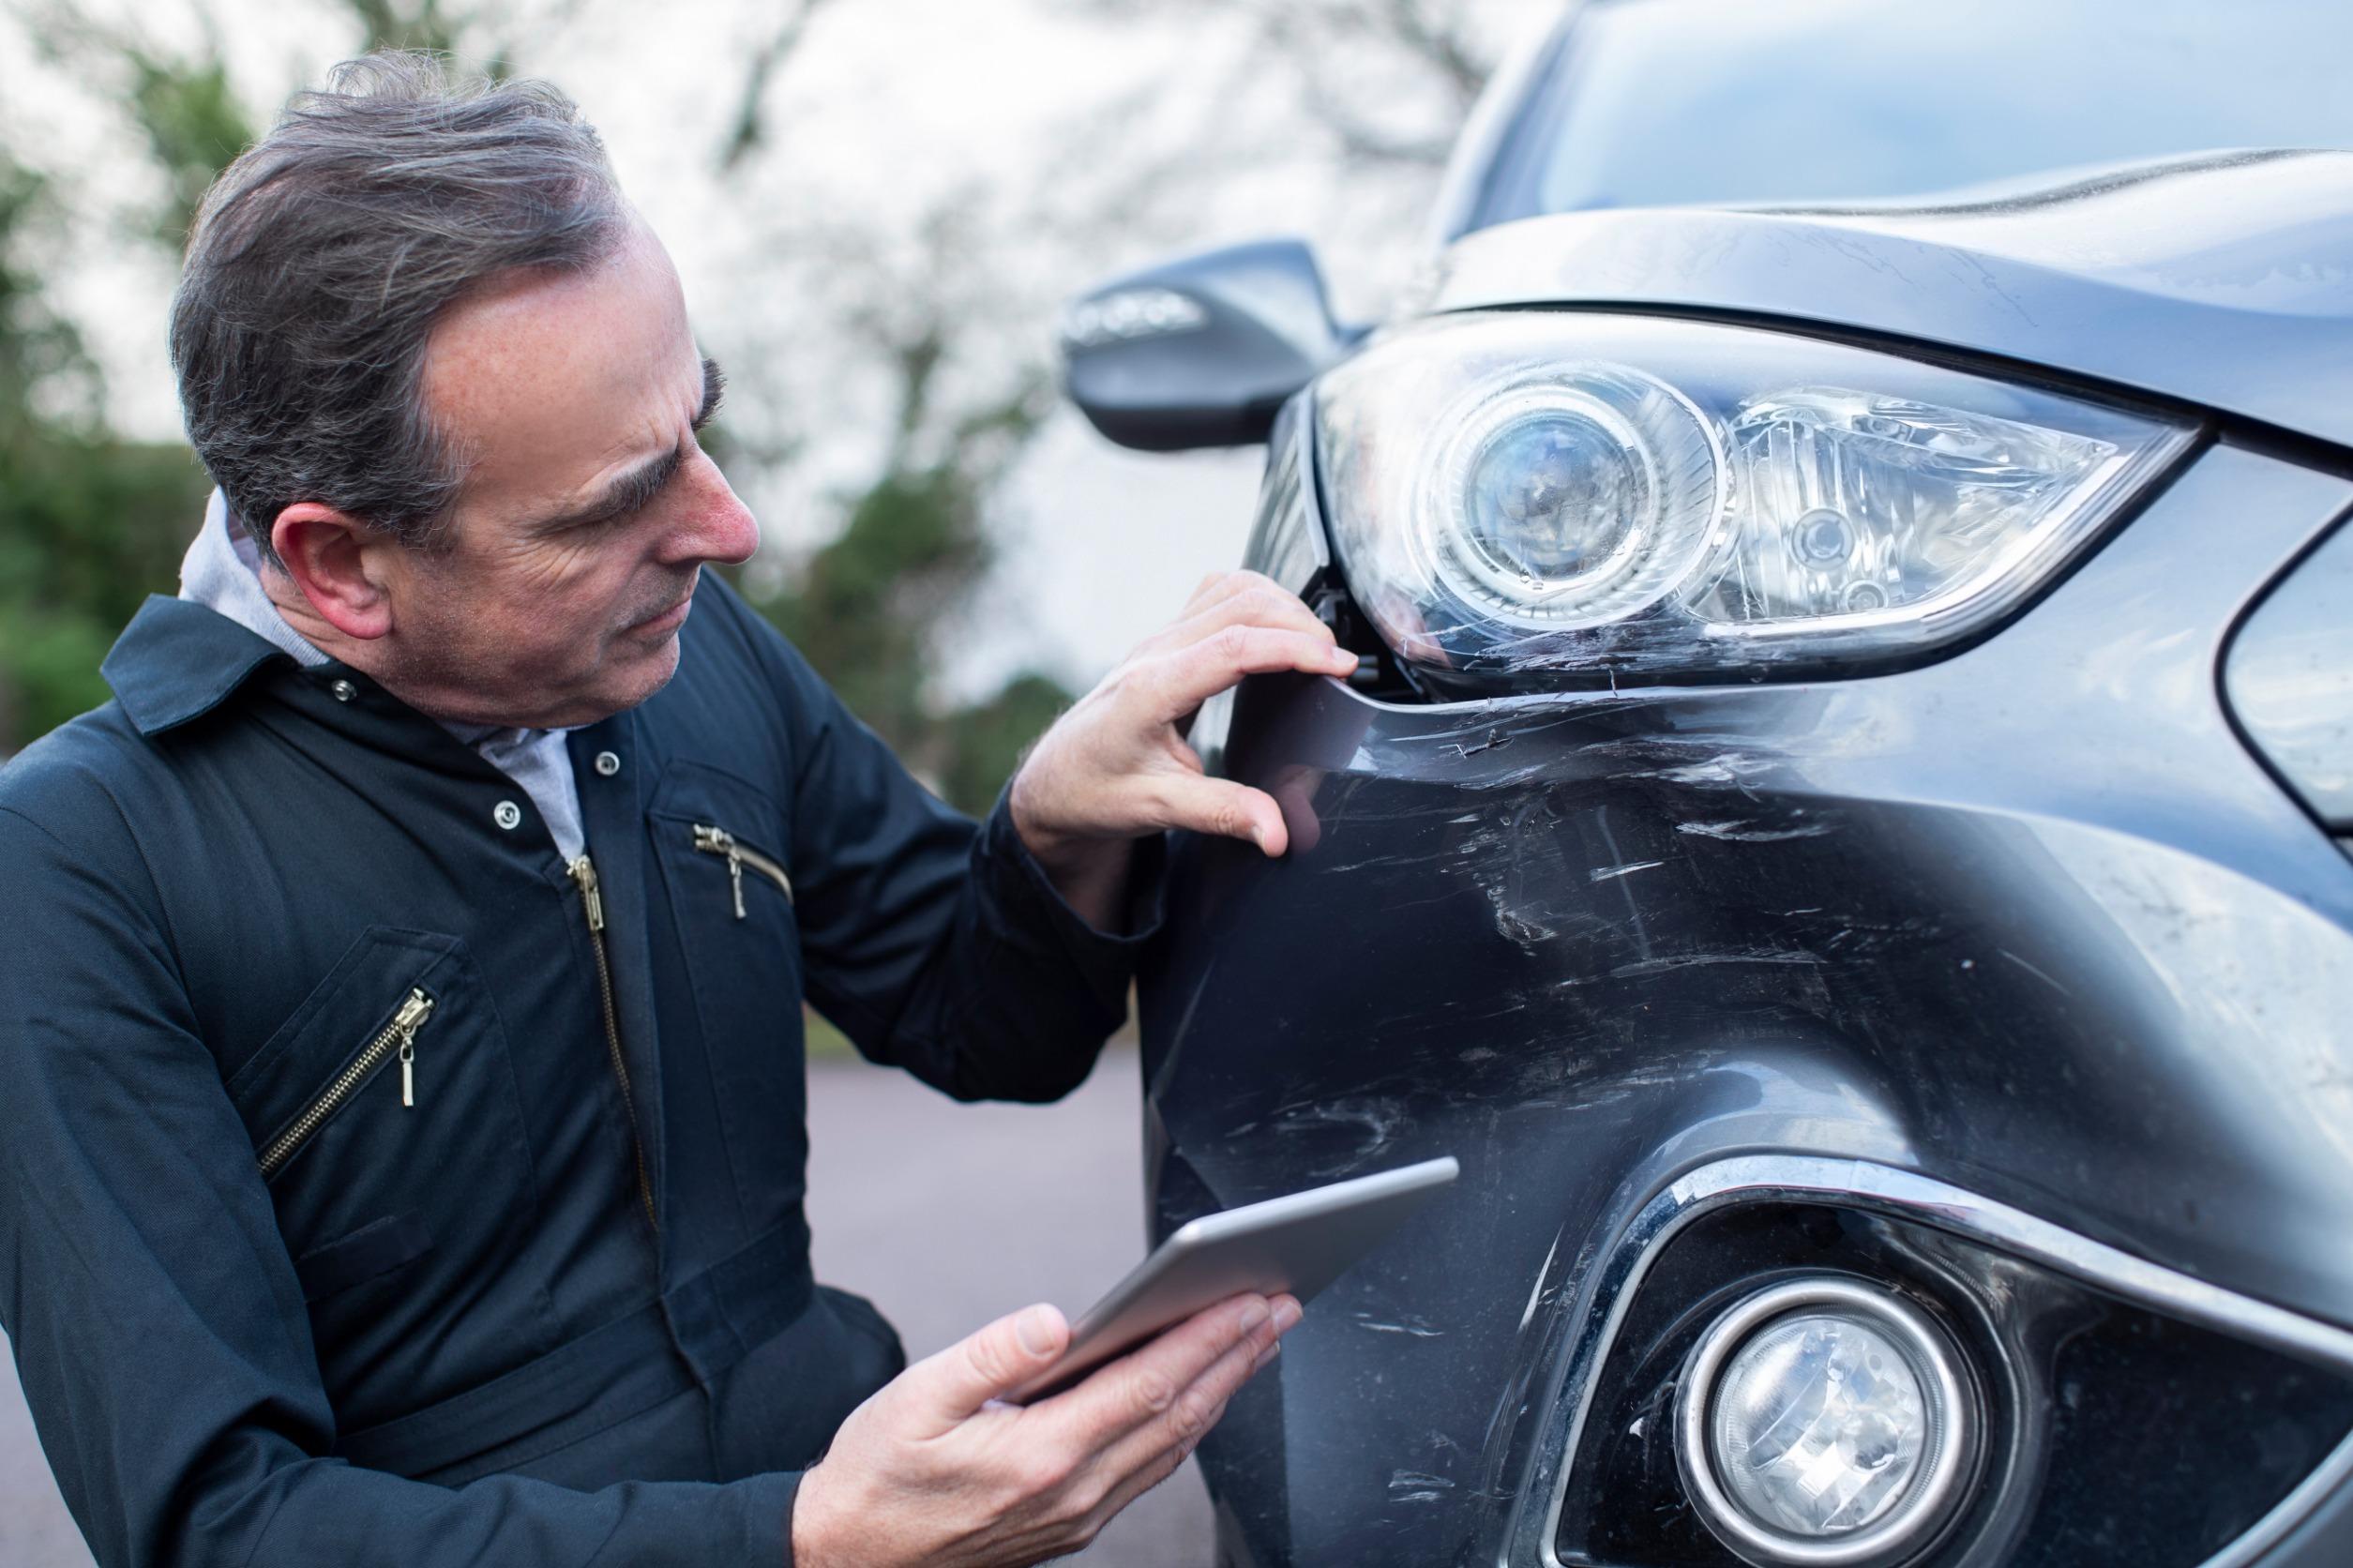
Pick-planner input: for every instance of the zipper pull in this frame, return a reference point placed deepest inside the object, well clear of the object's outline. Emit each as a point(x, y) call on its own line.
point(585, 873)
point(717, 840)
point(405, 1024)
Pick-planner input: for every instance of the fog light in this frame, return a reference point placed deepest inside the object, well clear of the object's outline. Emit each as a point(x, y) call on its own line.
point(1825, 1423)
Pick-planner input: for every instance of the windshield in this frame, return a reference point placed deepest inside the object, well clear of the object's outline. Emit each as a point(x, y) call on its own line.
point(1670, 102)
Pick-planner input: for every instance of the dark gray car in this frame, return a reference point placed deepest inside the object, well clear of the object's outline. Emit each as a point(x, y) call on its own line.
point(1841, 823)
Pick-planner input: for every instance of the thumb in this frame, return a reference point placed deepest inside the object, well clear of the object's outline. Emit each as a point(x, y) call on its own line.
point(959, 1380)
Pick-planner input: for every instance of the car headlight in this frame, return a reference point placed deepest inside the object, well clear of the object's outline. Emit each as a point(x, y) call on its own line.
point(1544, 492)
point(1825, 1422)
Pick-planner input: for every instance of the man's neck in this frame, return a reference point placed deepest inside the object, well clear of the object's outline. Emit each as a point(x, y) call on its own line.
point(294, 608)
point(224, 572)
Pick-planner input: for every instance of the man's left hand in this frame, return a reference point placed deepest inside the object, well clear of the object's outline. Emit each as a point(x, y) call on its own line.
point(1116, 767)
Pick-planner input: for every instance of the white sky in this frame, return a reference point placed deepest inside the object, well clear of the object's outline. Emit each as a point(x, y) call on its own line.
point(1039, 113)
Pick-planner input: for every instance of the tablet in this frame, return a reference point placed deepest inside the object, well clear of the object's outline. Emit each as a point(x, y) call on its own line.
point(1299, 1244)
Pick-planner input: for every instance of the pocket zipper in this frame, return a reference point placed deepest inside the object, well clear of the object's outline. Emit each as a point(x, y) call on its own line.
point(400, 1034)
point(717, 840)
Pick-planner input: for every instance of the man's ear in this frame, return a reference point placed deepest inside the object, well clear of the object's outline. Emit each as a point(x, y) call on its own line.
point(337, 562)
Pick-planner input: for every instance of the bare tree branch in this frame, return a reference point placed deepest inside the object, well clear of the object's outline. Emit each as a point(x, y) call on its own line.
point(1441, 41)
point(1330, 44)
point(750, 126)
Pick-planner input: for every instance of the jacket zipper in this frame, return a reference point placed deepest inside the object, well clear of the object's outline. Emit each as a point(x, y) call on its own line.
point(399, 1034)
point(592, 901)
point(717, 840)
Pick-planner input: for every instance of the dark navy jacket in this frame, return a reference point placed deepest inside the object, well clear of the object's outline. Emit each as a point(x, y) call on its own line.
point(243, 903)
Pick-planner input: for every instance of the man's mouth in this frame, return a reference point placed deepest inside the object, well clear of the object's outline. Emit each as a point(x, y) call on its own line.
point(670, 619)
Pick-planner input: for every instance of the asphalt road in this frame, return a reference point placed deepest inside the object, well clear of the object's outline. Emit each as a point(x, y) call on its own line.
point(946, 1215)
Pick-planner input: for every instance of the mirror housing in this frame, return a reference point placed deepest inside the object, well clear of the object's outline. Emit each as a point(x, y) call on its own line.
point(1200, 351)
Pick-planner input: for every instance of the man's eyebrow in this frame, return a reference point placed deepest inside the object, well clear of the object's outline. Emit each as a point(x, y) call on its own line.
point(713, 388)
point(626, 493)
point(640, 485)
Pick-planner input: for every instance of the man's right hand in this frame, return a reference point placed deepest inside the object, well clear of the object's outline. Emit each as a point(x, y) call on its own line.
point(935, 1470)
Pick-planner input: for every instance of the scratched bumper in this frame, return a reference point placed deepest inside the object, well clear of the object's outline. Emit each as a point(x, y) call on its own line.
point(2031, 921)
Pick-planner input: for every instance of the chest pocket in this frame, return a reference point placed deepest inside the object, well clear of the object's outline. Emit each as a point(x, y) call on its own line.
point(385, 1121)
point(720, 842)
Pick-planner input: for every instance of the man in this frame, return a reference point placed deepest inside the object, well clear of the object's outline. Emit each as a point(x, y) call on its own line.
point(401, 982)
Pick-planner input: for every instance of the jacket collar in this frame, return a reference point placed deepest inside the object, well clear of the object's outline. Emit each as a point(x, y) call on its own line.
point(178, 660)
point(222, 570)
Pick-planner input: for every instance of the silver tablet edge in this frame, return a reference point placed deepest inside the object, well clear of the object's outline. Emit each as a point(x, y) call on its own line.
point(1272, 1211)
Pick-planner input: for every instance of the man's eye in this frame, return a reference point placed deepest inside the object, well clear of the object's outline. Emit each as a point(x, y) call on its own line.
point(603, 523)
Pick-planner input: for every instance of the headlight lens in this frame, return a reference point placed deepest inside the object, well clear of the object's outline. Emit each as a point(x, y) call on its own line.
point(1825, 1422)
point(1570, 498)
point(1820, 1425)
point(1531, 493)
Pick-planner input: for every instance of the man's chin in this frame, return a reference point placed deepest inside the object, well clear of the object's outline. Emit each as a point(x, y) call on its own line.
point(632, 674)
point(549, 697)
point(667, 657)
point(648, 671)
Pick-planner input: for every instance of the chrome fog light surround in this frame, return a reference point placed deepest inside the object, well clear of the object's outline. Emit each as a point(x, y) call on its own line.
point(1931, 1381)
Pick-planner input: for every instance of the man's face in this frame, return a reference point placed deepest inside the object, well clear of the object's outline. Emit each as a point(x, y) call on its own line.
point(587, 510)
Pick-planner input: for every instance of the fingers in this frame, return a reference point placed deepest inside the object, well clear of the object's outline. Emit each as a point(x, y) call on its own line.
point(1254, 602)
point(931, 1463)
point(1203, 591)
point(1294, 791)
point(959, 1380)
point(1159, 1443)
point(1222, 808)
point(1218, 585)
point(1191, 675)
point(1115, 1501)
point(1175, 1386)
point(1114, 766)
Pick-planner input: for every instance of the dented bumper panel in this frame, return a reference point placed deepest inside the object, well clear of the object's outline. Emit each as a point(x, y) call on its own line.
point(2031, 921)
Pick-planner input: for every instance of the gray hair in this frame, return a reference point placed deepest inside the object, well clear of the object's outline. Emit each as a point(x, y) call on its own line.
point(322, 258)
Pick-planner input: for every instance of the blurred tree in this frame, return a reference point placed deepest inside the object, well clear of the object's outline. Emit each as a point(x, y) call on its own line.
point(871, 607)
point(194, 125)
point(1388, 80)
point(750, 126)
point(875, 609)
point(89, 523)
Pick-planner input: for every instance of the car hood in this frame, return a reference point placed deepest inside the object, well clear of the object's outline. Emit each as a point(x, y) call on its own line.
point(2223, 279)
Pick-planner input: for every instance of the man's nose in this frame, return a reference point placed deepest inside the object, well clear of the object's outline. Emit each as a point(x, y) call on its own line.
point(712, 524)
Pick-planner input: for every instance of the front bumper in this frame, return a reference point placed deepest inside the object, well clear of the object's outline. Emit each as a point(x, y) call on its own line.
point(2030, 921)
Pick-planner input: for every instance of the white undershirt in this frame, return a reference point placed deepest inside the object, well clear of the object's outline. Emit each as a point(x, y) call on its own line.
point(223, 571)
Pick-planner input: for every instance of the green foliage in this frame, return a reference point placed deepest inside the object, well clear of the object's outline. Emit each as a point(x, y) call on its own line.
point(194, 125)
point(985, 741)
point(425, 24)
point(863, 609)
point(36, 349)
point(867, 612)
point(870, 610)
point(89, 526)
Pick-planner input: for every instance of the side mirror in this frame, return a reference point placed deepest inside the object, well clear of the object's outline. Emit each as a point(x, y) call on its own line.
point(1200, 351)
